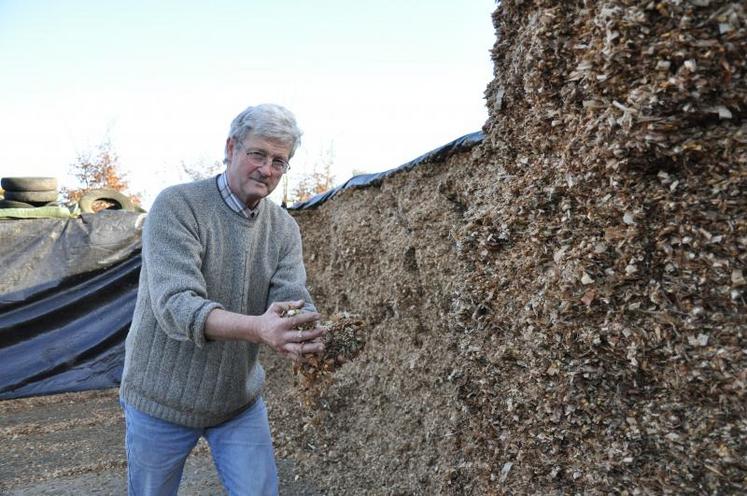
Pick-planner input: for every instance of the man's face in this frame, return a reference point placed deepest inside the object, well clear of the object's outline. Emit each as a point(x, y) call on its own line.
point(249, 179)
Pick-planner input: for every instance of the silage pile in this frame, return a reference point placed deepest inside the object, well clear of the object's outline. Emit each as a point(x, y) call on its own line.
point(563, 309)
point(608, 297)
point(386, 421)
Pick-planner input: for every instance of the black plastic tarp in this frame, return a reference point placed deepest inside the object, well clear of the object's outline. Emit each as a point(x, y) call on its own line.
point(36, 254)
point(70, 338)
point(62, 324)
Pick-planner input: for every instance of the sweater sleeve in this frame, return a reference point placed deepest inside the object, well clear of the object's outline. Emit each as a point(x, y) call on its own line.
point(173, 254)
point(288, 283)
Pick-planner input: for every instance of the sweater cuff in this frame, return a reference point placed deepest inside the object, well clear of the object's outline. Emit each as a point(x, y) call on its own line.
point(197, 329)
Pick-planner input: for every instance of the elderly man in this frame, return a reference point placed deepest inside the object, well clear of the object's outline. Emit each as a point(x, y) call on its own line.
point(221, 265)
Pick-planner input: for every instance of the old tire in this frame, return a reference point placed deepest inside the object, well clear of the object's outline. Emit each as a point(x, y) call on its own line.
point(29, 183)
point(120, 201)
point(14, 204)
point(31, 196)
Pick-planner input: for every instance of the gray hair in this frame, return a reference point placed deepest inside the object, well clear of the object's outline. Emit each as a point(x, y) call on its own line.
point(268, 121)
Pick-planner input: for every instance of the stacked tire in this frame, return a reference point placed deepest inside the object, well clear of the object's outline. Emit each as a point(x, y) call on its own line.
point(112, 200)
point(28, 192)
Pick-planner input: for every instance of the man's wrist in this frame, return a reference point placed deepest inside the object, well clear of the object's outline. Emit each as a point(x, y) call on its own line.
point(222, 325)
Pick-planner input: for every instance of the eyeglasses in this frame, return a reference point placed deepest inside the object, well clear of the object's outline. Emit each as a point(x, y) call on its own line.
point(259, 158)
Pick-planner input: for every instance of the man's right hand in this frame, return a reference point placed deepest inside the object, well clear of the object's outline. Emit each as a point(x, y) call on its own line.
point(282, 334)
point(270, 328)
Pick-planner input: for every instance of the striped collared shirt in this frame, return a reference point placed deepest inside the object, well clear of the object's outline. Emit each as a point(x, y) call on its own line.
point(232, 200)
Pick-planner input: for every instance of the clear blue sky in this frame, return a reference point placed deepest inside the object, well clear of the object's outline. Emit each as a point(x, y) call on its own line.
point(381, 82)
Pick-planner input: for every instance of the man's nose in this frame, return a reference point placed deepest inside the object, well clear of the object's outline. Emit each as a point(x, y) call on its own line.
point(266, 167)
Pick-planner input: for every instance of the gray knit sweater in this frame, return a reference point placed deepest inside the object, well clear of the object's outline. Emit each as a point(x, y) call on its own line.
point(199, 255)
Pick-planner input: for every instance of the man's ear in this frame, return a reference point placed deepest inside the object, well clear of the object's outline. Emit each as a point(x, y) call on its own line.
point(230, 145)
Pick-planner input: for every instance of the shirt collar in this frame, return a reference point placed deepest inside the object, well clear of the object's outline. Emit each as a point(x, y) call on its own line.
point(232, 200)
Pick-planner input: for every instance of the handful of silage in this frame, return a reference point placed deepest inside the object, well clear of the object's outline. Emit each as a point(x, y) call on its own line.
point(343, 342)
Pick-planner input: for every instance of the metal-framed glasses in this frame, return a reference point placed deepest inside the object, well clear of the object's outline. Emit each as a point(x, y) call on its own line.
point(258, 158)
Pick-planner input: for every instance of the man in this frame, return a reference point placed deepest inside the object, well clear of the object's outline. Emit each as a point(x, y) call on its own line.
point(220, 267)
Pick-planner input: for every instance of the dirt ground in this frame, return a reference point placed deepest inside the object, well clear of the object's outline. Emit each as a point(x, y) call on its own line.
point(72, 444)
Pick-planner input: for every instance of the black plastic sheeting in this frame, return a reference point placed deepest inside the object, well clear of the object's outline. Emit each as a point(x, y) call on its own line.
point(458, 145)
point(39, 253)
point(68, 289)
point(70, 338)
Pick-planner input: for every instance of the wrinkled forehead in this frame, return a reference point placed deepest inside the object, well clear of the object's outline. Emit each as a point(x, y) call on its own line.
point(271, 145)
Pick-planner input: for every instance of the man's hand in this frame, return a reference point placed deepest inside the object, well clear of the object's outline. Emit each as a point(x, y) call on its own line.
point(283, 333)
point(271, 328)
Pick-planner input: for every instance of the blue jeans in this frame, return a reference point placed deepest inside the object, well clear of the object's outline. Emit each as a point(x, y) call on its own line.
point(241, 449)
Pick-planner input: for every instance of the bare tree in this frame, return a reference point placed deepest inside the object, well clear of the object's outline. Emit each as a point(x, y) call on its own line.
point(319, 180)
point(202, 169)
point(98, 168)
